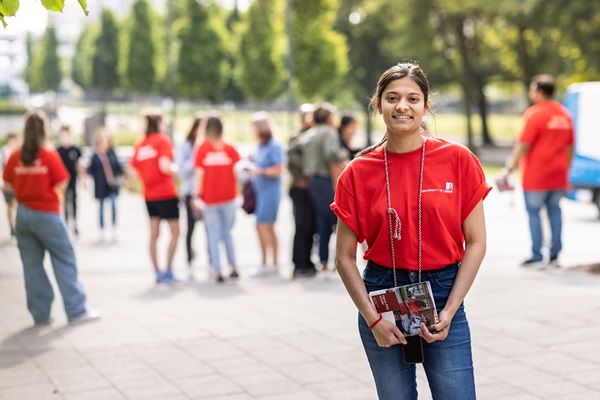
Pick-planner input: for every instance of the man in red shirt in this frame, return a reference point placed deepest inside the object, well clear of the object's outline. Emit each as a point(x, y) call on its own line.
point(545, 149)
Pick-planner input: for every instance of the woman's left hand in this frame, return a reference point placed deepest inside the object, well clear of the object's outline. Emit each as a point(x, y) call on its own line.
point(437, 331)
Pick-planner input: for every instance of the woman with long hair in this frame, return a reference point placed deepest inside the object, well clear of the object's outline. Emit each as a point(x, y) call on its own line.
point(417, 201)
point(187, 172)
point(106, 171)
point(215, 162)
point(38, 177)
point(153, 161)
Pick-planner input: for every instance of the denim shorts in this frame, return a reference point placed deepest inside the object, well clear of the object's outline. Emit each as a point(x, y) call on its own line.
point(448, 364)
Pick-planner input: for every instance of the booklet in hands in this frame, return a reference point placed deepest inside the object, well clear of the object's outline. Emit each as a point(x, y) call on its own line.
point(406, 307)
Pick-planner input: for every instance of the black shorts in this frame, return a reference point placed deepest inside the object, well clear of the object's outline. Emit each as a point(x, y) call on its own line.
point(163, 209)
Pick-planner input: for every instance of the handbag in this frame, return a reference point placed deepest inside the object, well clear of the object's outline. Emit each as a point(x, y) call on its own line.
point(249, 197)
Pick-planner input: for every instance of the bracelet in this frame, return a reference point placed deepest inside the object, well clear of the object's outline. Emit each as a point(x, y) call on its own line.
point(376, 322)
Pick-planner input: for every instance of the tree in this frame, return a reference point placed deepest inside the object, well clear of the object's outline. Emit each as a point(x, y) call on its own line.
point(81, 64)
point(260, 71)
point(140, 71)
point(31, 68)
point(8, 8)
point(319, 53)
point(49, 71)
point(105, 65)
point(202, 66)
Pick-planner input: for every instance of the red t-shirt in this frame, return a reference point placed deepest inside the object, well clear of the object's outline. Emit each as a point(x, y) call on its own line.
point(157, 185)
point(34, 184)
point(453, 184)
point(218, 184)
point(549, 132)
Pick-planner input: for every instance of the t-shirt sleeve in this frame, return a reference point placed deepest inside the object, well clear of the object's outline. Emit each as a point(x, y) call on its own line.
point(58, 171)
point(344, 203)
point(235, 156)
point(165, 149)
point(530, 130)
point(9, 169)
point(199, 157)
point(276, 156)
point(474, 186)
point(332, 148)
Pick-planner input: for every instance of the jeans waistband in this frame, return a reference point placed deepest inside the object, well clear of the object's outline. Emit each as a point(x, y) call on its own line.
point(377, 267)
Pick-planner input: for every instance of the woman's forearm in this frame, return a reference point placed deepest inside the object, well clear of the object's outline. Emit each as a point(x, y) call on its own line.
point(474, 253)
point(355, 286)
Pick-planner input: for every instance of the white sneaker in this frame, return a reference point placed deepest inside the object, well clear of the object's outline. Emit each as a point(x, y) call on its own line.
point(88, 316)
point(259, 272)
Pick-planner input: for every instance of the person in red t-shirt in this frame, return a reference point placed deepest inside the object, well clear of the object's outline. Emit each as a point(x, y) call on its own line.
point(38, 178)
point(153, 160)
point(217, 189)
point(544, 149)
point(417, 203)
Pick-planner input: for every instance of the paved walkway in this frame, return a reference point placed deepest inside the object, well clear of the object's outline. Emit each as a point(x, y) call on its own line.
point(535, 333)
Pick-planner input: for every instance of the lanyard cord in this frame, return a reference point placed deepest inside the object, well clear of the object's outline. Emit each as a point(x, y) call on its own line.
point(395, 223)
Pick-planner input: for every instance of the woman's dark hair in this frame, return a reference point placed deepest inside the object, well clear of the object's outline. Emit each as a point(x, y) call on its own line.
point(34, 135)
point(263, 126)
point(401, 70)
point(545, 84)
point(153, 122)
point(346, 120)
point(214, 127)
point(193, 133)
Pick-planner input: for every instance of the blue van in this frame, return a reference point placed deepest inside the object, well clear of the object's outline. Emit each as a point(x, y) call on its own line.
point(583, 102)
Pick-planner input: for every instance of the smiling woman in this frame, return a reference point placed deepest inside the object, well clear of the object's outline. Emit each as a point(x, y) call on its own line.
point(417, 203)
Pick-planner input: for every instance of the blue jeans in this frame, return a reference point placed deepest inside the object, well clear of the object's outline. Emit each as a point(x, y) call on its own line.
point(534, 201)
point(448, 363)
point(112, 196)
point(321, 196)
point(37, 232)
point(218, 221)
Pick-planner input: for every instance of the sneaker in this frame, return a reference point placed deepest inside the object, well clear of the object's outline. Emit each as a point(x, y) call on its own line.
point(46, 322)
point(162, 277)
point(234, 274)
point(532, 262)
point(259, 272)
point(553, 262)
point(220, 279)
point(88, 316)
point(170, 278)
point(304, 273)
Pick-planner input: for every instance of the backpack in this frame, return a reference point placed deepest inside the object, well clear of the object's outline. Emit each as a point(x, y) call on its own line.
point(294, 157)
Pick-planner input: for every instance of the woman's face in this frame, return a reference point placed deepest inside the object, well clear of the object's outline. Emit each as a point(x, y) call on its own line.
point(402, 105)
point(349, 131)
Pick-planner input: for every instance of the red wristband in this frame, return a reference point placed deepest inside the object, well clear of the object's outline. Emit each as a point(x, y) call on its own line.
point(376, 322)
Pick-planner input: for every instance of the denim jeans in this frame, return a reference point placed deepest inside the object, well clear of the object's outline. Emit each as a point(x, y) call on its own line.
point(37, 232)
point(534, 201)
point(112, 196)
point(448, 364)
point(321, 196)
point(218, 221)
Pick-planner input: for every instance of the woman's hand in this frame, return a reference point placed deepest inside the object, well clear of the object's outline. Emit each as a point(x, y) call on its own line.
point(437, 331)
point(387, 334)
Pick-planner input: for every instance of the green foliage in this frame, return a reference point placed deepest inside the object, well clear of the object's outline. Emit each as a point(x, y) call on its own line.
point(49, 67)
point(140, 71)
point(319, 52)
point(202, 66)
point(9, 8)
point(81, 64)
point(105, 64)
point(32, 61)
point(260, 71)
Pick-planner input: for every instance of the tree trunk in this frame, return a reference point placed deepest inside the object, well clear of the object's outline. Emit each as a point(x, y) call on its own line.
point(466, 75)
point(369, 126)
point(482, 105)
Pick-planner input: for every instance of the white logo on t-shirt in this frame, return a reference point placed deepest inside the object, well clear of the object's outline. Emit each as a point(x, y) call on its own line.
point(146, 152)
point(36, 169)
point(215, 158)
point(449, 188)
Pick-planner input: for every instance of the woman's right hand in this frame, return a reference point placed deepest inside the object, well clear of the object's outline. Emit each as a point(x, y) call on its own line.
point(387, 334)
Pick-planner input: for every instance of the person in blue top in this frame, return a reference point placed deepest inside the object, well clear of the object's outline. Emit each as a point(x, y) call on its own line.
point(185, 159)
point(268, 160)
